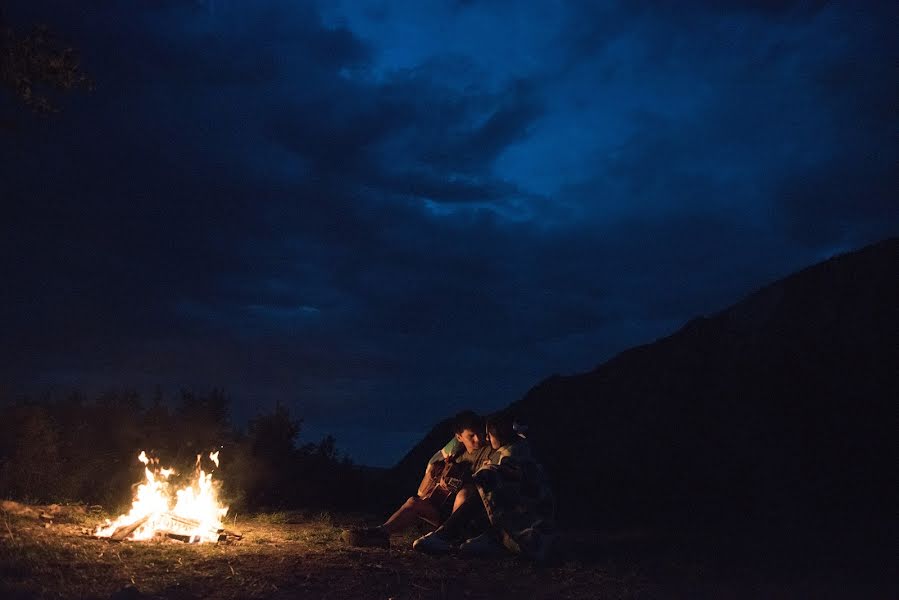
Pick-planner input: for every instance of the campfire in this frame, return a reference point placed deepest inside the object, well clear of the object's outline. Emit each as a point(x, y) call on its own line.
point(191, 513)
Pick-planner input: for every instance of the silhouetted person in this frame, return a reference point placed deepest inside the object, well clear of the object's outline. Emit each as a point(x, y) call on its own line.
point(466, 448)
point(515, 496)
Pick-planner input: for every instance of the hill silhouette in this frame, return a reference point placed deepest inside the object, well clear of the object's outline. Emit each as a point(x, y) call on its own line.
point(775, 415)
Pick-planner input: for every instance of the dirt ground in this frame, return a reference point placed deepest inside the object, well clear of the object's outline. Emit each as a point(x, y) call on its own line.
point(302, 556)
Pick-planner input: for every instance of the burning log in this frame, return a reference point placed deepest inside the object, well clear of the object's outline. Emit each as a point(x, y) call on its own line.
point(159, 509)
point(187, 539)
point(176, 527)
point(227, 533)
point(125, 530)
point(183, 529)
point(171, 521)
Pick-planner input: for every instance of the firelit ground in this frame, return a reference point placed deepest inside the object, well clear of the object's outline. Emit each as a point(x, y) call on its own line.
point(295, 555)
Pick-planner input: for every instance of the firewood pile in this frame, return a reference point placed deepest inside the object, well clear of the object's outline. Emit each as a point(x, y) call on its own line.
point(175, 527)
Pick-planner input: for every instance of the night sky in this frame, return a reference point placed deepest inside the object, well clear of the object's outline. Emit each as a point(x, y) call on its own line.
point(380, 213)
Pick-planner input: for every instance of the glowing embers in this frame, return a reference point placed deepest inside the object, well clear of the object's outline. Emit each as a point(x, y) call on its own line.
point(190, 513)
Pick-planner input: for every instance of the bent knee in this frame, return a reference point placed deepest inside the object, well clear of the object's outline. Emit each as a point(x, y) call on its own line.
point(467, 492)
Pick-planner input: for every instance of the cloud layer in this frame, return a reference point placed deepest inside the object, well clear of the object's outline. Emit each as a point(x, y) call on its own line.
point(381, 213)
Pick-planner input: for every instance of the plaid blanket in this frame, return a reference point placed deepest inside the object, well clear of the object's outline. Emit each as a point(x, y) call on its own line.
point(518, 499)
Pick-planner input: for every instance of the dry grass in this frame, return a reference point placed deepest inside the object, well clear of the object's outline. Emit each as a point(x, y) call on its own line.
point(289, 555)
point(300, 555)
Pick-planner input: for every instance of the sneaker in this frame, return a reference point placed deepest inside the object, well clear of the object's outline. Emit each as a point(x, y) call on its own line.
point(535, 545)
point(432, 543)
point(483, 545)
point(373, 537)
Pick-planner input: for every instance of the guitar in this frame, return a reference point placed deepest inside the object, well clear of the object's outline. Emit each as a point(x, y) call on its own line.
point(442, 480)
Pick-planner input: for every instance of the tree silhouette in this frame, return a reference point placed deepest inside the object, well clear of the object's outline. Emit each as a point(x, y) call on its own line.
point(34, 65)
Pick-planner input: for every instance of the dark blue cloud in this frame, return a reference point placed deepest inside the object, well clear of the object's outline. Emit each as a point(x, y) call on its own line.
point(383, 212)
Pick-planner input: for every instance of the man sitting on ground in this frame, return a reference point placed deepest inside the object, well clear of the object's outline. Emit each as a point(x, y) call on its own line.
point(466, 447)
point(516, 499)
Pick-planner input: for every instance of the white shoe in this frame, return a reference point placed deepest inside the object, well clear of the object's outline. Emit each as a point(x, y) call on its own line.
point(482, 545)
point(432, 543)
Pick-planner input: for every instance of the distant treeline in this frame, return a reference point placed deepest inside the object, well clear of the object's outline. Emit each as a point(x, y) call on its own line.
point(79, 449)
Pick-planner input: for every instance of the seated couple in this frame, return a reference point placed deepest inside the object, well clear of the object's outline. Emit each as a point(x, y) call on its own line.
point(502, 504)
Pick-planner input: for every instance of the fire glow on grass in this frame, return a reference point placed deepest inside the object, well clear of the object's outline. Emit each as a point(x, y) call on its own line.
point(193, 510)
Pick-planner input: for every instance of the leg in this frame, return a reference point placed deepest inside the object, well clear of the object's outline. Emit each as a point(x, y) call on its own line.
point(467, 508)
point(467, 493)
point(413, 509)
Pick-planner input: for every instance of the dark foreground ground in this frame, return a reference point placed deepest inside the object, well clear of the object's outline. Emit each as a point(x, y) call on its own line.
point(295, 555)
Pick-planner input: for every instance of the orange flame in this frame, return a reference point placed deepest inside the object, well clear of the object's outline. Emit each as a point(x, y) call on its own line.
point(196, 502)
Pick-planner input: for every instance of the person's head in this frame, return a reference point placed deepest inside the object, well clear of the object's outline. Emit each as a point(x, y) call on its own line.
point(500, 430)
point(469, 430)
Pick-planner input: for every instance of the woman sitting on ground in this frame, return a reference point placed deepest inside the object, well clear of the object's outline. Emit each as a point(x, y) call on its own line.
point(516, 495)
point(516, 498)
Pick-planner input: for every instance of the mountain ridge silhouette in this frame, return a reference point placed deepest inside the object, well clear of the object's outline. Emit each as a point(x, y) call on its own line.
point(775, 412)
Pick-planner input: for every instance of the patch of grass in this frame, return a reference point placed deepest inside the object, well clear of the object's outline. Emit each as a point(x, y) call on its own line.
point(308, 560)
point(287, 517)
point(319, 535)
point(273, 518)
point(324, 518)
